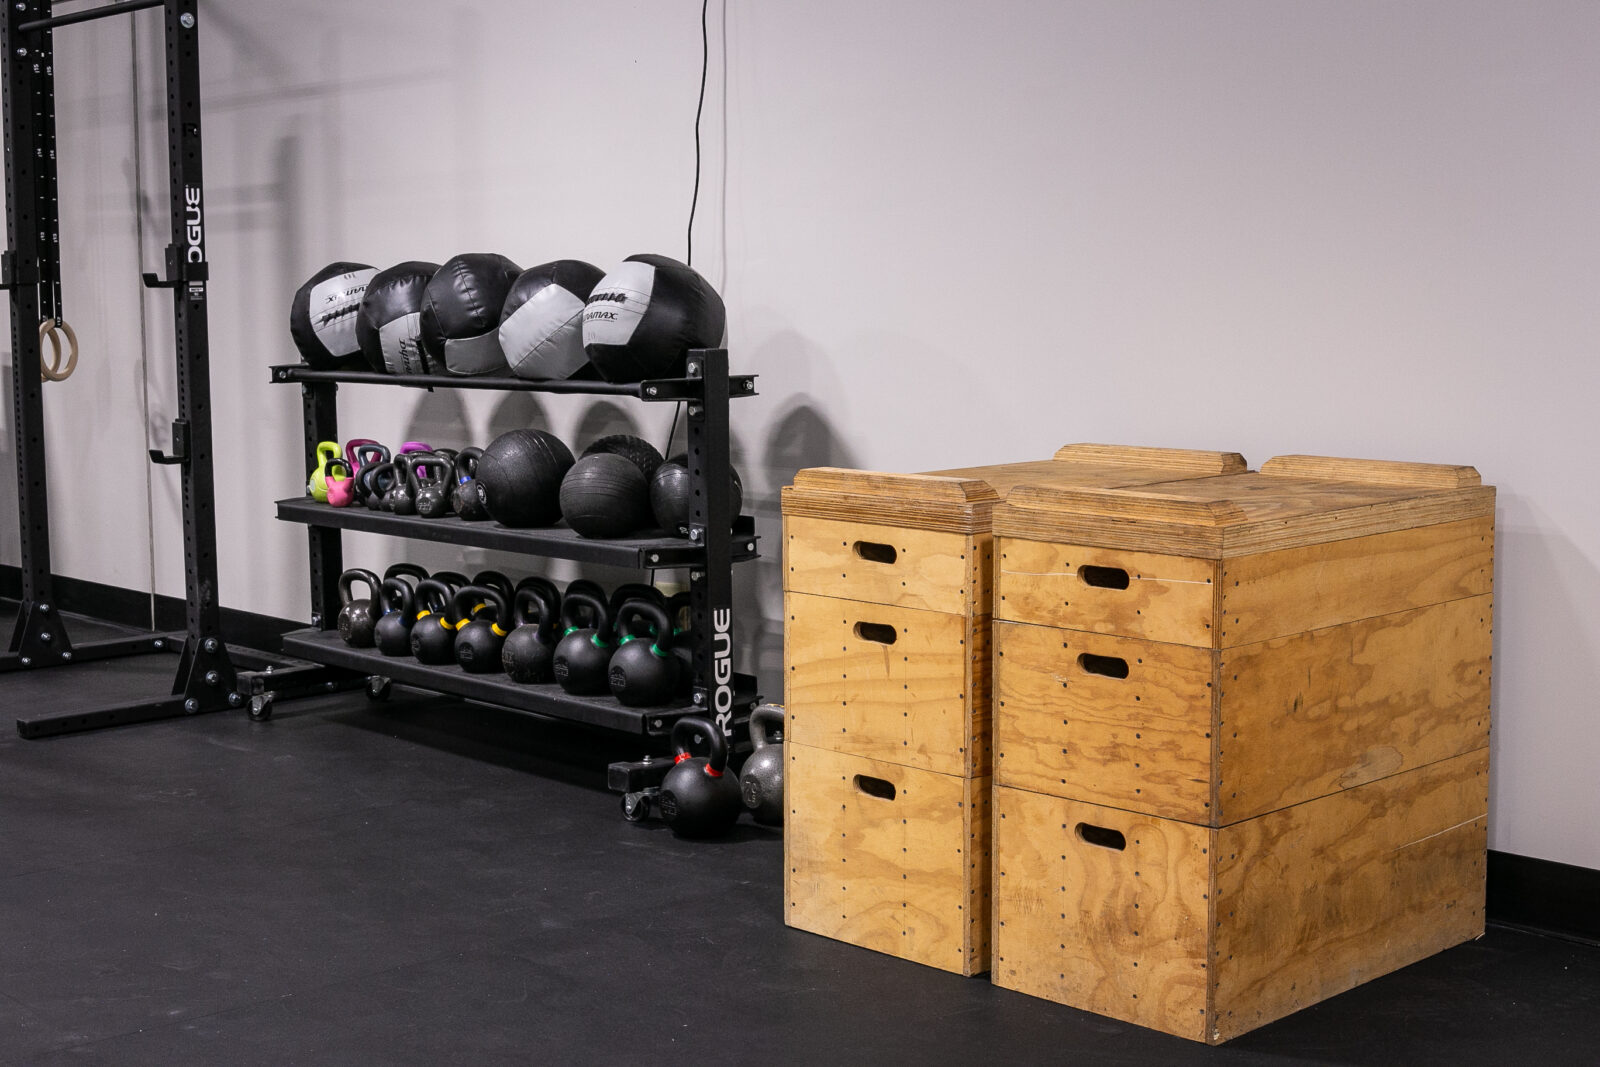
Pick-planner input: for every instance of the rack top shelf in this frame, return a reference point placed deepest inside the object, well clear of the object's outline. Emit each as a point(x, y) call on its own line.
point(559, 542)
point(655, 389)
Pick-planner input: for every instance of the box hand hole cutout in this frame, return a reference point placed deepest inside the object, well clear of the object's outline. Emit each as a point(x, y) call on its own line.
point(1103, 836)
point(877, 552)
point(1104, 577)
point(1105, 666)
point(878, 787)
point(881, 634)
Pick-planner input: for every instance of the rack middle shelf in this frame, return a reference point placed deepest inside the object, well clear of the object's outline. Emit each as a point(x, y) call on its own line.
point(556, 542)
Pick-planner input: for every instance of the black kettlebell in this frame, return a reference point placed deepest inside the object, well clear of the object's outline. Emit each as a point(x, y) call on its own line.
point(433, 635)
point(498, 582)
point(467, 496)
point(761, 780)
point(583, 655)
point(358, 617)
point(380, 479)
point(363, 458)
point(634, 591)
point(392, 633)
point(428, 475)
point(398, 499)
point(643, 672)
point(415, 572)
point(478, 639)
point(529, 649)
point(698, 797)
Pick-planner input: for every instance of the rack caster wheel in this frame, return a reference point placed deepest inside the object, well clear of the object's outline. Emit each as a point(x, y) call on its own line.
point(378, 687)
point(261, 707)
point(635, 806)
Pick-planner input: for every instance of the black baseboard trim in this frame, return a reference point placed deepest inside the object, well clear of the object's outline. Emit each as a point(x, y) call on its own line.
point(1556, 898)
point(131, 607)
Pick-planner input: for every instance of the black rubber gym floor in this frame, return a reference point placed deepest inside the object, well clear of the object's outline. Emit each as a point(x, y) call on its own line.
point(430, 882)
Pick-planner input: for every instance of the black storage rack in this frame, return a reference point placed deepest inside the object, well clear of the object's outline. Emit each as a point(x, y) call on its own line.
point(717, 540)
point(208, 678)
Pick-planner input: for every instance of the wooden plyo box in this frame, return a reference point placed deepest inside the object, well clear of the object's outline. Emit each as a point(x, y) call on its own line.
point(1209, 932)
point(888, 857)
point(887, 598)
point(1213, 658)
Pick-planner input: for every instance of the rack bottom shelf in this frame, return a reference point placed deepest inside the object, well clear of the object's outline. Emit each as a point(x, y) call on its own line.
point(324, 646)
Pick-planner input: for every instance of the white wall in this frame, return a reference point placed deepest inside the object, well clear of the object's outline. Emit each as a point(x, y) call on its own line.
point(953, 233)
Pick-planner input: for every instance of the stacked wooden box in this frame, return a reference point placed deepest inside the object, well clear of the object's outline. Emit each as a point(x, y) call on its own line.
point(887, 581)
point(1241, 733)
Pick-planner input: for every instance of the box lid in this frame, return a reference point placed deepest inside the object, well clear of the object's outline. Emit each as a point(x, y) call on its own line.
point(1291, 502)
point(960, 500)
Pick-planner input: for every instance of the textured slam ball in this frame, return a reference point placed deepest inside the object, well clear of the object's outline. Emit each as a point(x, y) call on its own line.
point(642, 453)
point(643, 317)
point(461, 312)
point(322, 318)
point(671, 496)
point(605, 495)
point(541, 325)
point(389, 327)
point(520, 476)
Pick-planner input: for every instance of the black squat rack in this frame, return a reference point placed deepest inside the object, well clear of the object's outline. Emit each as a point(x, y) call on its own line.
point(718, 539)
point(208, 677)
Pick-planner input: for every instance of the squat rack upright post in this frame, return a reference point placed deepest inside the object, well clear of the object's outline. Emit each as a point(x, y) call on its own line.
point(31, 272)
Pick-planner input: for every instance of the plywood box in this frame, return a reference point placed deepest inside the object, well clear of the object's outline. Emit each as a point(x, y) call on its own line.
point(1209, 932)
point(1213, 650)
point(888, 857)
point(887, 598)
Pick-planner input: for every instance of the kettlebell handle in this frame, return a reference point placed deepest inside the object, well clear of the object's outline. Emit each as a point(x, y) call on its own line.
point(397, 596)
point(366, 578)
point(683, 733)
point(467, 464)
point(431, 597)
point(654, 614)
point(597, 612)
point(536, 602)
point(406, 570)
point(764, 717)
point(472, 599)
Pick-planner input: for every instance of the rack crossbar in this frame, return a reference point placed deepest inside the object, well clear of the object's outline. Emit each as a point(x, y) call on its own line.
point(122, 8)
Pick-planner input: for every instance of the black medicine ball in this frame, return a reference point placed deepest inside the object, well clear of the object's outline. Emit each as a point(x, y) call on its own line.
point(605, 495)
point(643, 317)
point(520, 474)
point(461, 312)
point(322, 316)
point(541, 325)
point(389, 326)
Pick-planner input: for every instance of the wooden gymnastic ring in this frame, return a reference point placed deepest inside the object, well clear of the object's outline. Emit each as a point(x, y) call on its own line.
point(54, 372)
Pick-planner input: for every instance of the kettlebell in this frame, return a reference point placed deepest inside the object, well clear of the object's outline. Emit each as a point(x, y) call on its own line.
point(761, 781)
point(362, 456)
point(467, 496)
point(429, 491)
point(433, 635)
point(478, 638)
point(379, 478)
point(529, 649)
point(415, 446)
point(583, 655)
point(317, 483)
point(358, 617)
point(454, 579)
point(392, 634)
point(353, 449)
point(498, 582)
point(416, 572)
point(698, 798)
point(399, 499)
point(341, 483)
point(642, 672)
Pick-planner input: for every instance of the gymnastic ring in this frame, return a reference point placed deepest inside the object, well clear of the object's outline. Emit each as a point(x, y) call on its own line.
point(49, 368)
point(55, 372)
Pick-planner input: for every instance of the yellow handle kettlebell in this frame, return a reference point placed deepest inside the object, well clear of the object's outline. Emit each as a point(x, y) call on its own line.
point(317, 486)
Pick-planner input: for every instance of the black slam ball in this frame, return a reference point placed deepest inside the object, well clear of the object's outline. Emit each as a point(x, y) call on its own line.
point(605, 495)
point(641, 452)
point(520, 475)
point(643, 317)
point(322, 316)
point(389, 326)
point(671, 497)
point(541, 324)
point(461, 312)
